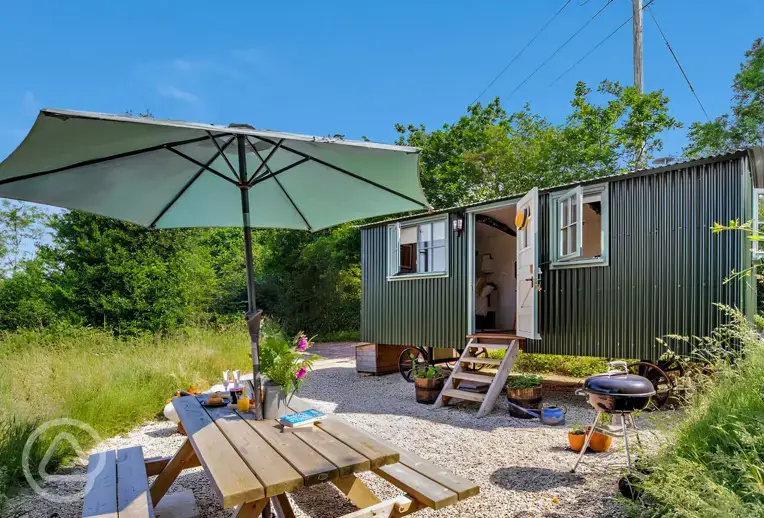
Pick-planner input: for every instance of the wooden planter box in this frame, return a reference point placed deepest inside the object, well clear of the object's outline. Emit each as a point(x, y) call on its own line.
point(377, 358)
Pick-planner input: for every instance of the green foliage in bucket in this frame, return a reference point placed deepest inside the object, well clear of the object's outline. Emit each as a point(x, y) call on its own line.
point(524, 381)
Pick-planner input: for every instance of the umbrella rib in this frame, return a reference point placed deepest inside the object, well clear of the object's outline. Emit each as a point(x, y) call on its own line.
point(268, 168)
point(93, 161)
point(346, 172)
point(217, 145)
point(263, 162)
point(276, 173)
point(203, 166)
point(189, 183)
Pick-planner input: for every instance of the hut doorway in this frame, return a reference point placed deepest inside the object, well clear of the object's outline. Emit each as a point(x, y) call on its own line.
point(493, 275)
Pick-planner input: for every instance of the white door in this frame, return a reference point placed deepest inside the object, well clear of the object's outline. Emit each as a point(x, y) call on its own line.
point(528, 271)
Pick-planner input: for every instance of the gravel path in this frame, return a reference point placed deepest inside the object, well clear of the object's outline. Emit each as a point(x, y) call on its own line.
point(522, 468)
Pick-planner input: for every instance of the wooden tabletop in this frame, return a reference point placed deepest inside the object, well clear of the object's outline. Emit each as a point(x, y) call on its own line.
point(248, 460)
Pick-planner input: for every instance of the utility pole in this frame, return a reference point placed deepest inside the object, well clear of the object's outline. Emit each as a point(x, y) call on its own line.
point(637, 17)
point(639, 159)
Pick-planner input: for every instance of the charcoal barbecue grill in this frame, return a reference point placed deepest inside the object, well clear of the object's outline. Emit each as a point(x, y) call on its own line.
point(615, 392)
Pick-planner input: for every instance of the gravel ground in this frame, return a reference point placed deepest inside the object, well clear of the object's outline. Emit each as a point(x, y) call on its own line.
point(522, 467)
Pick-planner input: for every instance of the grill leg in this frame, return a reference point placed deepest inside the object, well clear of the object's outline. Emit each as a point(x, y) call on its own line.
point(636, 430)
point(626, 441)
point(586, 442)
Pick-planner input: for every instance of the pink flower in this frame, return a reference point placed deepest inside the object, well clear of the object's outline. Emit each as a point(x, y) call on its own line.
point(302, 344)
point(301, 373)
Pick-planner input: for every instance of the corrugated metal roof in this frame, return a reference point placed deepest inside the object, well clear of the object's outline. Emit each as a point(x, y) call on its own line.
point(613, 177)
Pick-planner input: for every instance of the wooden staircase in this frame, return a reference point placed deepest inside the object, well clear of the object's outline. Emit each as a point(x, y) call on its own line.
point(490, 341)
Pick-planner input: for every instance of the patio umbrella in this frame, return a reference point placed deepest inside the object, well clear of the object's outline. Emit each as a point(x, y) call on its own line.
point(169, 174)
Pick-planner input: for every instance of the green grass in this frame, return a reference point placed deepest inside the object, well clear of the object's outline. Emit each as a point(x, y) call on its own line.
point(713, 466)
point(576, 366)
point(349, 335)
point(108, 383)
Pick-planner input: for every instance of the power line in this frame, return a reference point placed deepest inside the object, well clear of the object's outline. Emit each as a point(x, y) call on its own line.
point(547, 60)
point(678, 64)
point(598, 45)
point(530, 42)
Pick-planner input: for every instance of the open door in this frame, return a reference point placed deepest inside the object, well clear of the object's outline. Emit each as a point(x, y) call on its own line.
point(528, 271)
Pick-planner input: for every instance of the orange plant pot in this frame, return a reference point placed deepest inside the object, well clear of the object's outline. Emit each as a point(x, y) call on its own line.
point(576, 441)
point(599, 442)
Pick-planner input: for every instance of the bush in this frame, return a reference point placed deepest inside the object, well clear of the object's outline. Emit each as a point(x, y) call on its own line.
point(576, 366)
point(713, 465)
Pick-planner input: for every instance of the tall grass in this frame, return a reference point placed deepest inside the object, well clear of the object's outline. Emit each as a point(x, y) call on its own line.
point(713, 465)
point(109, 383)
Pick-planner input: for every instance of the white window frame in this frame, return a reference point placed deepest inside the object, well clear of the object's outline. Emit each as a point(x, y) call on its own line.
point(573, 260)
point(394, 249)
point(756, 249)
point(574, 249)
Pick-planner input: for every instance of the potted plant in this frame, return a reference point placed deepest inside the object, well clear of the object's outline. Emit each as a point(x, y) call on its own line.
point(428, 382)
point(576, 436)
point(524, 390)
point(600, 442)
point(285, 365)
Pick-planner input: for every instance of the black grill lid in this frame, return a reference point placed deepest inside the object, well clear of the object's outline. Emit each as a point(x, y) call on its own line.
point(619, 384)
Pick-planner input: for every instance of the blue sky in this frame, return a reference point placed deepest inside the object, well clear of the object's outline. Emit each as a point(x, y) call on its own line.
point(354, 68)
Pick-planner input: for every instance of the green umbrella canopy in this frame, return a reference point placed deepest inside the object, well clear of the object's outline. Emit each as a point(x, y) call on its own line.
point(165, 174)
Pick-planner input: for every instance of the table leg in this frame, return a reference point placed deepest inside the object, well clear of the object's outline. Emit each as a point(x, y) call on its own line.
point(250, 509)
point(286, 507)
point(356, 491)
point(182, 458)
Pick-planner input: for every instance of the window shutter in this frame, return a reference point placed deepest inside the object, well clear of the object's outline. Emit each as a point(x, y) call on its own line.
point(393, 249)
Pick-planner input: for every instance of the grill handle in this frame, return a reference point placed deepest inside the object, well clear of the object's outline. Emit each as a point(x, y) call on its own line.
point(618, 367)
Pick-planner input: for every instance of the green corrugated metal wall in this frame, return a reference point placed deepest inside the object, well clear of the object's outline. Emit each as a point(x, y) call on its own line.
point(421, 312)
point(666, 269)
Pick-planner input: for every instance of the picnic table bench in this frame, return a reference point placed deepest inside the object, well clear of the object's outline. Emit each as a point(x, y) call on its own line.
point(248, 462)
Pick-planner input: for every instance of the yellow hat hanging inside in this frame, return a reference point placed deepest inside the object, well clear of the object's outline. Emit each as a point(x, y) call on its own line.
point(521, 219)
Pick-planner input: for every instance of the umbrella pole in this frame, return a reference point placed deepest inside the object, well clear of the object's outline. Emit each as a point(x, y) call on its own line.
point(253, 316)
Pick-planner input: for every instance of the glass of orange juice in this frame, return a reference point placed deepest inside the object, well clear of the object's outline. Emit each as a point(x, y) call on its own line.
point(243, 403)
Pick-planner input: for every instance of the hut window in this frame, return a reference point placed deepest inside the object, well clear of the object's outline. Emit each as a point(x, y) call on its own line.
point(418, 249)
point(579, 229)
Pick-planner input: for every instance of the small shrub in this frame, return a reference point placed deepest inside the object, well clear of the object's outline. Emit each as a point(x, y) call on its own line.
point(425, 371)
point(522, 381)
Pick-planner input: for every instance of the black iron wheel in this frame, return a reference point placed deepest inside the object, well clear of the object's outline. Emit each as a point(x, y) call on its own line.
point(662, 382)
point(406, 361)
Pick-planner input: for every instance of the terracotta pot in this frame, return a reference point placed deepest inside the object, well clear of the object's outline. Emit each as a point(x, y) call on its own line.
point(599, 442)
point(576, 440)
point(428, 390)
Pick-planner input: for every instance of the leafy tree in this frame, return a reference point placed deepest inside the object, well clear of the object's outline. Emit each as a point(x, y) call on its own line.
point(444, 151)
point(488, 153)
point(311, 281)
point(744, 126)
point(22, 227)
point(26, 298)
point(119, 275)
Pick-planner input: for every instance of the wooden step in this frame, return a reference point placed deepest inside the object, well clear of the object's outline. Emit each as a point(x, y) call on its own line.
point(485, 361)
point(463, 394)
point(479, 378)
point(494, 336)
point(498, 346)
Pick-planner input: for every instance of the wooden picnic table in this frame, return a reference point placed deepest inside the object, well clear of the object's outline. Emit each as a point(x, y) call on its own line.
point(248, 462)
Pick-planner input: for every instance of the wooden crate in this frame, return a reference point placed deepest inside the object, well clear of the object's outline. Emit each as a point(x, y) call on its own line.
point(377, 358)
